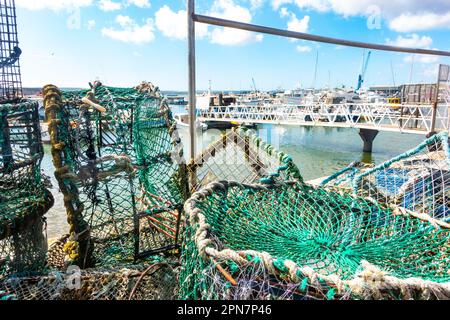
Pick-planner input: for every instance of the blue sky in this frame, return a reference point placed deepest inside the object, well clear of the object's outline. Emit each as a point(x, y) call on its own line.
point(122, 42)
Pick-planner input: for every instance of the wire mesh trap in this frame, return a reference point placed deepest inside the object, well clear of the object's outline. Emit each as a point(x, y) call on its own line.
point(116, 154)
point(10, 80)
point(146, 281)
point(242, 156)
point(291, 241)
point(417, 180)
point(24, 198)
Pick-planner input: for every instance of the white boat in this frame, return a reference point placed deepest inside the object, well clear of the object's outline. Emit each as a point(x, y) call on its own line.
point(250, 101)
point(293, 97)
point(182, 120)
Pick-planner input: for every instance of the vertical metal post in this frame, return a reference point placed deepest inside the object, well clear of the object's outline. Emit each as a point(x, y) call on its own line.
point(448, 117)
point(435, 102)
point(191, 66)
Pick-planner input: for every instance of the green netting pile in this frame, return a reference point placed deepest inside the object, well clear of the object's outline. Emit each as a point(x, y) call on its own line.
point(156, 280)
point(116, 155)
point(291, 241)
point(23, 197)
point(240, 155)
point(119, 164)
point(417, 181)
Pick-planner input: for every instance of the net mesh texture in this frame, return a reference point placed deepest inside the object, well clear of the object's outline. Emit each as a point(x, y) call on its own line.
point(291, 241)
point(156, 280)
point(240, 155)
point(119, 164)
point(417, 181)
point(24, 198)
point(117, 153)
point(113, 151)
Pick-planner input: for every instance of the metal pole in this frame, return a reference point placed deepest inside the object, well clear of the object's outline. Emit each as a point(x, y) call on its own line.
point(310, 37)
point(435, 102)
point(191, 66)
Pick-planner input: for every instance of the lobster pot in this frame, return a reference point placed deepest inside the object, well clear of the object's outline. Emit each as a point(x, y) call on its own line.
point(240, 155)
point(417, 181)
point(10, 80)
point(150, 281)
point(23, 248)
point(113, 161)
point(290, 241)
point(23, 197)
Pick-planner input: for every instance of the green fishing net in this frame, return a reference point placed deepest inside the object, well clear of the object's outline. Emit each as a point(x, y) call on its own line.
point(116, 156)
point(290, 241)
point(119, 165)
point(124, 182)
point(24, 198)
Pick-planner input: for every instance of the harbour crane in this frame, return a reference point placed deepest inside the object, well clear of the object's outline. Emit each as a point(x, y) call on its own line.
point(254, 85)
point(365, 65)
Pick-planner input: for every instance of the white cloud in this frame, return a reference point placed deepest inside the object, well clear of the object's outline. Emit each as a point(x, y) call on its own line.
point(256, 4)
point(52, 4)
point(109, 5)
point(131, 32)
point(91, 24)
point(227, 9)
point(319, 5)
point(174, 24)
point(389, 8)
point(114, 5)
point(295, 24)
point(413, 40)
point(402, 15)
point(424, 59)
point(140, 3)
point(303, 49)
point(425, 21)
point(276, 4)
point(171, 24)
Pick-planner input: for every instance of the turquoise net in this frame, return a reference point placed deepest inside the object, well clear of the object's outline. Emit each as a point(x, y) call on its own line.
point(291, 241)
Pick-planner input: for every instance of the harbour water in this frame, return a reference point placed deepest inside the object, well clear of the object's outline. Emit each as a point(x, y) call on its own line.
point(317, 151)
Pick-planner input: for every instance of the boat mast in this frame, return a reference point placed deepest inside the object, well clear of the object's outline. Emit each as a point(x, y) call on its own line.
point(412, 69)
point(254, 85)
point(315, 71)
point(393, 75)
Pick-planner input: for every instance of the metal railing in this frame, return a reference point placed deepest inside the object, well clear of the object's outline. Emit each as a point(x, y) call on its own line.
point(401, 118)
